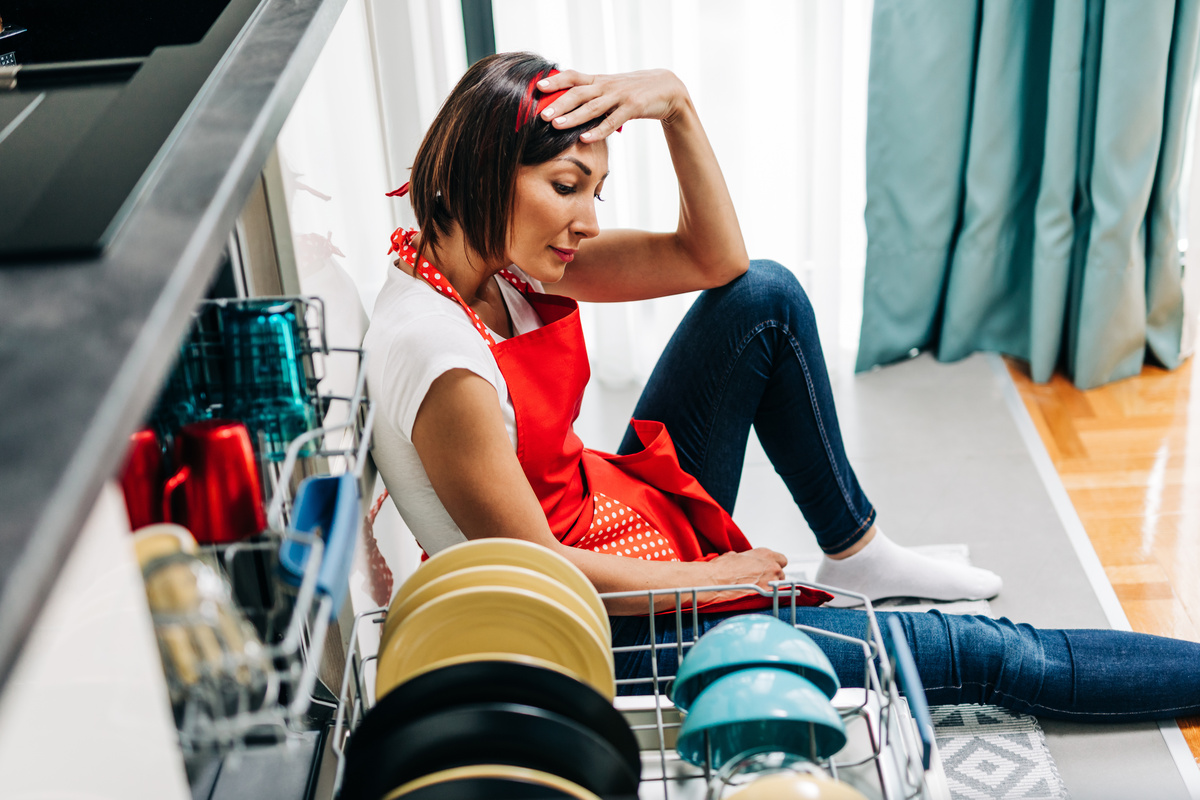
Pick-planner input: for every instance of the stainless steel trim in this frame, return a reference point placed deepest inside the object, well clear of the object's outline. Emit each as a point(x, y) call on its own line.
point(24, 115)
point(256, 246)
point(281, 226)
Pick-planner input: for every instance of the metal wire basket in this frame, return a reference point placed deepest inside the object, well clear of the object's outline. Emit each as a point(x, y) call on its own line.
point(257, 360)
point(219, 377)
point(887, 757)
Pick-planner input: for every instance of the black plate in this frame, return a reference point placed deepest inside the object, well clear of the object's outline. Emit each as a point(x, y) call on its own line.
point(492, 789)
point(495, 682)
point(489, 733)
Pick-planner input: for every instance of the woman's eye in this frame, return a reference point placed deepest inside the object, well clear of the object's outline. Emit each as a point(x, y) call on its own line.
point(562, 188)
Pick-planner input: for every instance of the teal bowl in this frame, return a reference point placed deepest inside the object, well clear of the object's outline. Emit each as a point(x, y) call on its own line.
point(760, 710)
point(751, 640)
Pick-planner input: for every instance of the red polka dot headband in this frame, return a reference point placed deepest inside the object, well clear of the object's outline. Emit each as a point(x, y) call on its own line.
point(528, 105)
point(523, 114)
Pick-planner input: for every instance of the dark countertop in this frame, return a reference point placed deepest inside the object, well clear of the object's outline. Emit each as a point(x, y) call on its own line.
point(84, 345)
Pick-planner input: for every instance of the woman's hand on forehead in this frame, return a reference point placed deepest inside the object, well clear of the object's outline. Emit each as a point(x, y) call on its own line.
point(648, 94)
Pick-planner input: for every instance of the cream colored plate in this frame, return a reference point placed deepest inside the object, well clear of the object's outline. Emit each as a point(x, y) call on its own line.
point(501, 552)
point(514, 658)
point(494, 619)
point(161, 539)
point(518, 774)
point(517, 577)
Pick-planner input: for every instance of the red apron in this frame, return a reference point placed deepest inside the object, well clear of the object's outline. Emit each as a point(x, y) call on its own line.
point(546, 371)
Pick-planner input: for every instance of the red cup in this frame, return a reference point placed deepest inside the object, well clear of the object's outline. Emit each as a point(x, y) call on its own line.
point(141, 479)
point(216, 492)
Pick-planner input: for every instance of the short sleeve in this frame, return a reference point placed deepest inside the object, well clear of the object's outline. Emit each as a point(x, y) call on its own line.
point(418, 354)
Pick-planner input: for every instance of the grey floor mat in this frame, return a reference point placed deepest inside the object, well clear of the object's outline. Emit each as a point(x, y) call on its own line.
point(939, 453)
point(990, 753)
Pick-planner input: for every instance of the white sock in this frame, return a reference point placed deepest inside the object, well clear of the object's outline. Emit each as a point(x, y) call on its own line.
point(885, 569)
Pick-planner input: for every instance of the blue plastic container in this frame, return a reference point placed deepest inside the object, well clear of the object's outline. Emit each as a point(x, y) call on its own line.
point(332, 506)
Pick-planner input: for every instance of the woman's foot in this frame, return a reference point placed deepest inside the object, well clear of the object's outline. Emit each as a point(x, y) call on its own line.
point(881, 568)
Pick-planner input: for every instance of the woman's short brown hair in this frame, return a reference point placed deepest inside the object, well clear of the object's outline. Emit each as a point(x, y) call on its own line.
point(465, 170)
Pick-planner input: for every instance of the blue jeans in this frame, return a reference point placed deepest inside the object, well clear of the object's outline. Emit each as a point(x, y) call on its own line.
point(747, 354)
point(1082, 675)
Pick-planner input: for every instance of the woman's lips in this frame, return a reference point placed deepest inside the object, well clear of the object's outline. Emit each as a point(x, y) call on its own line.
point(566, 255)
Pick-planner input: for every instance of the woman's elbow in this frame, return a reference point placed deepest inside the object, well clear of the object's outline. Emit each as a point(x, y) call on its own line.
point(714, 264)
point(726, 271)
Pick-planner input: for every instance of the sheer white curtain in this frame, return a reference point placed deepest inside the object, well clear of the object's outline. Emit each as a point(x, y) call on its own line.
point(781, 87)
point(354, 129)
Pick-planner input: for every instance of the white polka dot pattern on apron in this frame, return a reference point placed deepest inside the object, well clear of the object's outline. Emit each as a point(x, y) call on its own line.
point(619, 530)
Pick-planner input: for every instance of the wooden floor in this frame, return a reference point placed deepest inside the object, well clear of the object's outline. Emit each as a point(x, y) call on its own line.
point(1129, 457)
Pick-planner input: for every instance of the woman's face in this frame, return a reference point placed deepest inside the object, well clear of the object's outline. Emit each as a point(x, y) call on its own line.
point(554, 209)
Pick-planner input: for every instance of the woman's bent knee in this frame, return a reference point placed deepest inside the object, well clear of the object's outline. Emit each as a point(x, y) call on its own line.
point(772, 291)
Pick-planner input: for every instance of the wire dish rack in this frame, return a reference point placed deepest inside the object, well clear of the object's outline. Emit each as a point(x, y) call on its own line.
point(888, 755)
point(257, 360)
point(268, 692)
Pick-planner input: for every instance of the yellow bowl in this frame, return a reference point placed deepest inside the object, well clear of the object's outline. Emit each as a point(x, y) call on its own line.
point(499, 552)
point(503, 772)
point(494, 619)
point(516, 577)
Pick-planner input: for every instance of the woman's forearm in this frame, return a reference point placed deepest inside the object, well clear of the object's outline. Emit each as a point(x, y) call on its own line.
point(708, 228)
point(612, 573)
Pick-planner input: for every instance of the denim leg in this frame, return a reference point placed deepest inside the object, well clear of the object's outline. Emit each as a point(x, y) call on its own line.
point(1083, 675)
point(748, 354)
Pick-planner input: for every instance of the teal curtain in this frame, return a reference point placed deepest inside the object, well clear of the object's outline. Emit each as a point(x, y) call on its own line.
point(1026, 181)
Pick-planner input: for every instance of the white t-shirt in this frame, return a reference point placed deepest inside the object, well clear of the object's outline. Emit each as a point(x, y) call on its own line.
point(416, 335)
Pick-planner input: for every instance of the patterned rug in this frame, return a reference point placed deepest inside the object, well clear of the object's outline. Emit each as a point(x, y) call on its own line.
point(987, 752)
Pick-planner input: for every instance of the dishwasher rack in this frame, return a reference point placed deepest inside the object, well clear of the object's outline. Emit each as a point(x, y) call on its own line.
point(893, 747)
point(230, 368)
point(285, 670)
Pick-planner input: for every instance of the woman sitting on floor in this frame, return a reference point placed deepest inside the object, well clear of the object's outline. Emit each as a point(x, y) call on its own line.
point(478, 365)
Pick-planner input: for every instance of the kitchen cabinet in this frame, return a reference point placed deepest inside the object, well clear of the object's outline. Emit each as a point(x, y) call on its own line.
point(99, 90)
point(76, 30)
point(85, 343)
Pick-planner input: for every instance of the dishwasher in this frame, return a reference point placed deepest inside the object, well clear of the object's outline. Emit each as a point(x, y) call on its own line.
point(890, 753)
point(289, 582)
point(319, 682)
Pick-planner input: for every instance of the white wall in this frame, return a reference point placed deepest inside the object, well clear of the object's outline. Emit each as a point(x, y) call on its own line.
point(332, 143)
